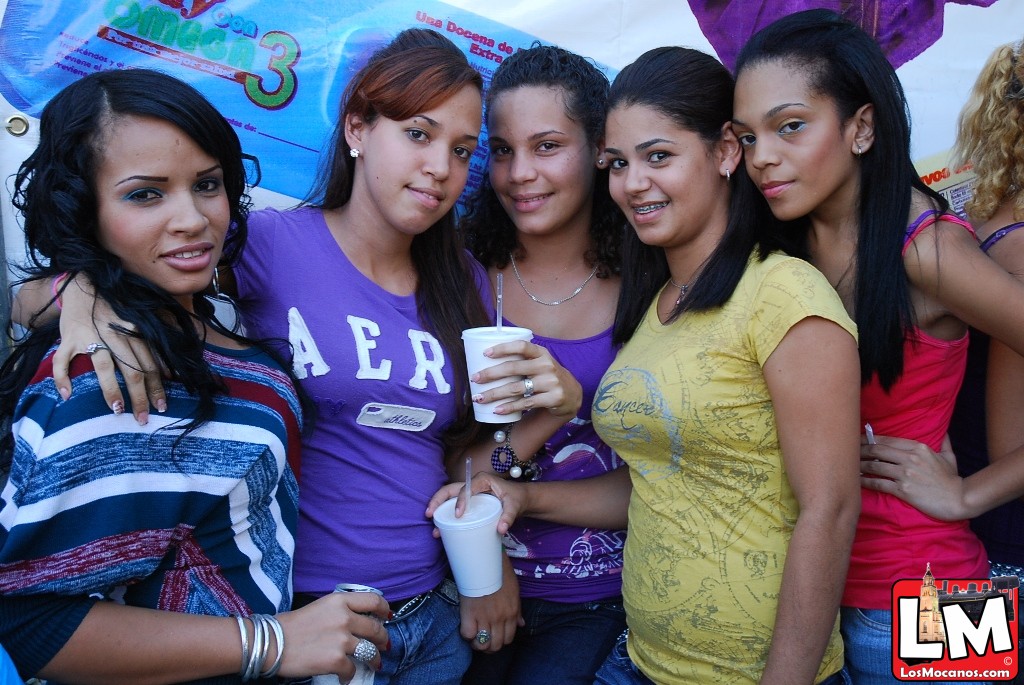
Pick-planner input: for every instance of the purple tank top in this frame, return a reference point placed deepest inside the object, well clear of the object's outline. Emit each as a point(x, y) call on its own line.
point(568, 563)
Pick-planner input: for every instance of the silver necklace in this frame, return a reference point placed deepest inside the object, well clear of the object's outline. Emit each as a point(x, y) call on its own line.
point(682, 290)
point(536, 299)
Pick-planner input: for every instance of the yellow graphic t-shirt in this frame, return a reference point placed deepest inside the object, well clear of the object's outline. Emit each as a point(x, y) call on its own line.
point(712, 513)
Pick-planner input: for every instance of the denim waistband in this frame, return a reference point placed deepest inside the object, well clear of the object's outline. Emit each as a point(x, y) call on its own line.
point(405, 607)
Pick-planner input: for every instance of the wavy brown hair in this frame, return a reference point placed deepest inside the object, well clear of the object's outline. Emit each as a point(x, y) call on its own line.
point(417, 71)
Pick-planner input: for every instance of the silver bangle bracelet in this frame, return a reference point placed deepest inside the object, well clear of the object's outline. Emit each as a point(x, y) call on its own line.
point(259, 649)
point(243, 630)
point(279, 638)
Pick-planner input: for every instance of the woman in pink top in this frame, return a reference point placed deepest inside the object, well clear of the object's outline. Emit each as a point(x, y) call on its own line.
point(822, 117)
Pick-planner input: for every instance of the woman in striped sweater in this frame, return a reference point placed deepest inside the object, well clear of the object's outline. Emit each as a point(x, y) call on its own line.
point(153, 553)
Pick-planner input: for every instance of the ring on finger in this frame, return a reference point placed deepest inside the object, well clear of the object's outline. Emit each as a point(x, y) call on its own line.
point(483, 636)
point(365, 651)
point(527, 387)
point(93, 348)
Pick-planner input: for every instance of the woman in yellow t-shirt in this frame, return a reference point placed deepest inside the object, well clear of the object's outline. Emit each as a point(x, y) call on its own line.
point(734, 401)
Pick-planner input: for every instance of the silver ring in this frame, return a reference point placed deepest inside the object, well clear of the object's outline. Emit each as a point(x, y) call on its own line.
point(93, 348)
point(365, 651)
point(483, 636)
point(527, 387)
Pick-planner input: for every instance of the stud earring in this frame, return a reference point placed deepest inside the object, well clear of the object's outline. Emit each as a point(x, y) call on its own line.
point(353, 153)
point(728, 175)
point(601, 162)
point(860, 150)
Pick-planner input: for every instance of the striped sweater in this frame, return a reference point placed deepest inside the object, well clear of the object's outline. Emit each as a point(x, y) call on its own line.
point(97, 506)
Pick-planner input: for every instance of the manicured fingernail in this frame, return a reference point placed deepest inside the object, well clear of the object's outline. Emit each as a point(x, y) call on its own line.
point(117, 407)
point(161, 405)
point(489, 351)
point(391, 615)
point(478, 397)
point(142, 418)
point(64, 392)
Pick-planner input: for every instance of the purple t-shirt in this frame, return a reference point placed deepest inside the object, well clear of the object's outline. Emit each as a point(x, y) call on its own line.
point(384, 393)
point(568, 563)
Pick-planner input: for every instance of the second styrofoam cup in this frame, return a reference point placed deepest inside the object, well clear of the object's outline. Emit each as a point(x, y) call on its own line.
point(472, 544)
point(476, 341)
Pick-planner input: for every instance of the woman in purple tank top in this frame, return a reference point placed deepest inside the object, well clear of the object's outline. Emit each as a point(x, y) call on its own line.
point(545, 222)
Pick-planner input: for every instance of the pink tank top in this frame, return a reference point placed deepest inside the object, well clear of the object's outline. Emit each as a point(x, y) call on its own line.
point(894, 540)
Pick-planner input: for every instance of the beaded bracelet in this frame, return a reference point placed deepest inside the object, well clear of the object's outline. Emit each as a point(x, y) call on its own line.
point(505, 460)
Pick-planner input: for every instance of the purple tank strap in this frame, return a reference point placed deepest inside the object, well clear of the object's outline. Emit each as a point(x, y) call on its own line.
point(927, 218)
point(987, 244)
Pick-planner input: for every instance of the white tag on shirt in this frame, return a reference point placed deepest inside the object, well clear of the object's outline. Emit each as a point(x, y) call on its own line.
point(395, 417)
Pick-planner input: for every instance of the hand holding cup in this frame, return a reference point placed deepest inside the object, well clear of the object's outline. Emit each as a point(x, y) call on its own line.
point(524, 374)
point(472, 544)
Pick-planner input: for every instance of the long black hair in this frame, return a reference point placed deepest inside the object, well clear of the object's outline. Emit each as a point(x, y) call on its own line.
point(845, 64)
point(417, 71)
point(54, 192)
point(487, 228)
point(695, 91)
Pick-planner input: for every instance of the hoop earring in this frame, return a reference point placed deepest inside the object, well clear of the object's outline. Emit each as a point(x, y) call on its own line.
point(860, 150)
point(728, 175)
point(217, 294)
point(353, 153)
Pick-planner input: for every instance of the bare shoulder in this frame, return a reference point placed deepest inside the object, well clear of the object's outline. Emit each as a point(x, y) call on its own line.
point(946, 238)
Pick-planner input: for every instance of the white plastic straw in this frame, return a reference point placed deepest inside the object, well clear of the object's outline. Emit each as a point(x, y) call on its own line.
point(469, 477)
point(499, 302)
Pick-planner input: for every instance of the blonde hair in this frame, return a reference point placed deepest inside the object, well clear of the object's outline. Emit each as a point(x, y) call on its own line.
point(990, 134)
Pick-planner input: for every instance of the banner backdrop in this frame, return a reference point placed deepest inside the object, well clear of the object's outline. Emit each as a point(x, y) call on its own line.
point(277, 70)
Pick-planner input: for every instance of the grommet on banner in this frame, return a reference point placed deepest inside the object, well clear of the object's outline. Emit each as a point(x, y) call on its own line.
point(17, 125)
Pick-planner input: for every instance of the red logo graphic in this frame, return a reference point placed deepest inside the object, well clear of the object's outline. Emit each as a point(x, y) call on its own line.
point(190, 9)
point(962, 630)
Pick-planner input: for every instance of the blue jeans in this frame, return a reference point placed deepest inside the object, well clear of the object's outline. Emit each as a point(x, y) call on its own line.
point(867, 639)
point(426, 647)
point(619, 669)
point(560, 644)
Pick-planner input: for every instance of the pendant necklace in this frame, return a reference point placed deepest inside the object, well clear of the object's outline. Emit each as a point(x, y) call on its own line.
point(536, 299)
point(682, 290)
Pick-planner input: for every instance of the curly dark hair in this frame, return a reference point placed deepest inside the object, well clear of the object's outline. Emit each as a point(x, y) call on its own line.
point(488, 231)
point(54, 192)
